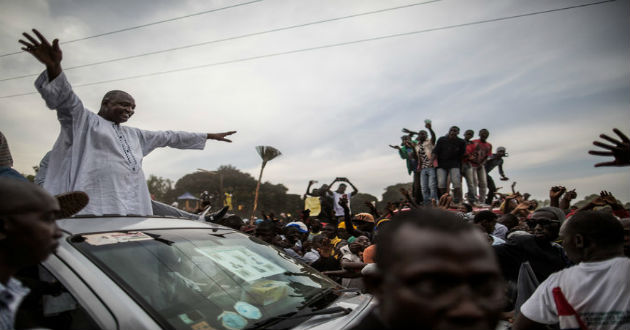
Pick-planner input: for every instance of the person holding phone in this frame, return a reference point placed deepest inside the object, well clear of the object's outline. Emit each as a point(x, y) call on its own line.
point(338, 195)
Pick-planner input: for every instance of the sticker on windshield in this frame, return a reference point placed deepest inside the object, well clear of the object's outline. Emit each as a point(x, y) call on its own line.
point(116, 237)
point(232, 321)
point(242, 262)
point(248, 310)
point(203, 325)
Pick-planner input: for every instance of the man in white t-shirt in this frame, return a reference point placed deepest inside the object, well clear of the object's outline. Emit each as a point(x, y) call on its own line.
point(597, 287)
point(338, 194)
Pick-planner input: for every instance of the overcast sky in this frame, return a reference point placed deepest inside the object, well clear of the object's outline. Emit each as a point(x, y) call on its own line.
point(545, 86)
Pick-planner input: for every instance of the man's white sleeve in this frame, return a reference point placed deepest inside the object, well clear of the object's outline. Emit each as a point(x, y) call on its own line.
point(150, 140)
point(59, 96)
point(540, 307)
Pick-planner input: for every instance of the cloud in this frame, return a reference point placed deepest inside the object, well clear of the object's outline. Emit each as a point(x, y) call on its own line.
point(545, 85)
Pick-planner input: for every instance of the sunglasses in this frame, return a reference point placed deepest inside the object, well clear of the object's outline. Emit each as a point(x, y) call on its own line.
point(543, 222)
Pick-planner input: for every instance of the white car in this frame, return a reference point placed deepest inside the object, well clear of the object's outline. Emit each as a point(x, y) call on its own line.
point(165, 273)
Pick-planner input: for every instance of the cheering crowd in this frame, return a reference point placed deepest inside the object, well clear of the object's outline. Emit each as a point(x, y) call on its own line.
point(435, 259)
point(437, 165)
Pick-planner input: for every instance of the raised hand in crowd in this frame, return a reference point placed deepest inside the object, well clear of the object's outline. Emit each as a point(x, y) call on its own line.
point(554, 195)
point(408, 131)
point(395, 147)
point(373, 209)
point(511, 201)
point(43, 51)
point(445, 201)
point(522, 209)
point(513, 186)
point(620, 150)
point(517, 196)
point(606, 198)
point(565, 202)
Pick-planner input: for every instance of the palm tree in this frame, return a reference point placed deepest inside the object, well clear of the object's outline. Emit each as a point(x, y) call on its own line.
point(267, 153)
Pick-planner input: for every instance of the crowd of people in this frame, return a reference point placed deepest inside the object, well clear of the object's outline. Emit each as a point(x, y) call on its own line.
point(479, 267)
point(432, 260)
point(436, 165)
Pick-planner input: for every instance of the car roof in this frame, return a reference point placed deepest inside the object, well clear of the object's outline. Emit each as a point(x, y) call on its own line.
point(95, 224)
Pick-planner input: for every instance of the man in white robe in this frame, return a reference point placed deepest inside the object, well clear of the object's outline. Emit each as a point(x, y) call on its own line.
point(94, 152)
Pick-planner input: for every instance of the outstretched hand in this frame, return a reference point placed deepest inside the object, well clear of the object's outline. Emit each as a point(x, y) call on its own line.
point(620, 150)
point(608, 197)
point(220, 136)
point(43, 51)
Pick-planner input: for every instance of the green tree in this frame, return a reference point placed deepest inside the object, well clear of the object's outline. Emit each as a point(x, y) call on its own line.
point(227, 178)
point(392, 193)
point(159, 188)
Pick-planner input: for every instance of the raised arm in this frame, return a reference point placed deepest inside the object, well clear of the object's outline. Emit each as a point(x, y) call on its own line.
point(554, 195)
point(347, 218)
point(43, 51)
point(373, 209)
point(330, 185)
point(503, 177)
point(409, 132)
point(428, 126)
point(354, 189)
point(308, 188)
point(565, 202)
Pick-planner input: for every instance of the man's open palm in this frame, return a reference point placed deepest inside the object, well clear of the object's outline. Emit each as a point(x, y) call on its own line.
point(42, 50)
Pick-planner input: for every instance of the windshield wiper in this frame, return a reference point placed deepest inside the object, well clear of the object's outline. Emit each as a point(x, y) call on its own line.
point(316, 297)
point(291, 315)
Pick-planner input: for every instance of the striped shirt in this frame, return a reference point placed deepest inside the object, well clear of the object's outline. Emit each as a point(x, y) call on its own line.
point(11, 296)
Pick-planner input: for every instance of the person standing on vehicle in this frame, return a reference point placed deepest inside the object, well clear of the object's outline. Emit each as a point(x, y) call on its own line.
point(28, 235)
point(449, 151)
point(482, 150)
point(407, 150)
point(424, 150)
point(95, 153)
point(493, 161)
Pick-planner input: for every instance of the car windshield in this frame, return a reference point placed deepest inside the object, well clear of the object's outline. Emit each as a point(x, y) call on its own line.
point(204, 278)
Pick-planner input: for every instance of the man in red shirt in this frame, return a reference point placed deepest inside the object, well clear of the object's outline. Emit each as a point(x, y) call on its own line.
point(481, 149)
